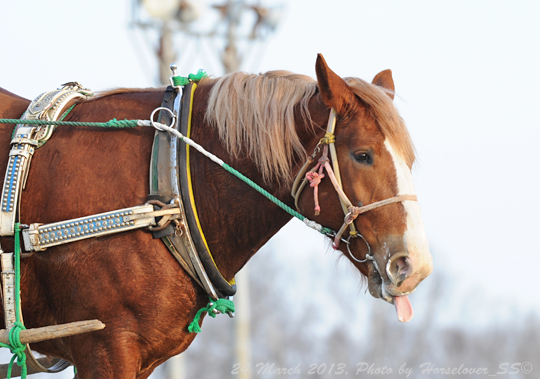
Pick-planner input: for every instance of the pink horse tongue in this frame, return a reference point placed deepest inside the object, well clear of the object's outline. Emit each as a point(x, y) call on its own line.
point(404, 308)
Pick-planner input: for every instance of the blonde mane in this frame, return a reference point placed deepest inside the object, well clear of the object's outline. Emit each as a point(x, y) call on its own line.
point(254, 115)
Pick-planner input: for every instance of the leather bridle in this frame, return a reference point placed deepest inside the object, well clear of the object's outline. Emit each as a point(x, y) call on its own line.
point(315, 175)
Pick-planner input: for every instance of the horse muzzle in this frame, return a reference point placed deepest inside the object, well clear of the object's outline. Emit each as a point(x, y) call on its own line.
point(394, 277)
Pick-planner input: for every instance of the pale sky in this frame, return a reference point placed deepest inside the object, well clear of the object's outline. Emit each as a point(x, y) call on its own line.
point(467, 78)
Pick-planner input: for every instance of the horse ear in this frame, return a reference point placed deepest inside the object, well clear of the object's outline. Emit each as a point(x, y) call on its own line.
point(384, 79)
point(334, 91)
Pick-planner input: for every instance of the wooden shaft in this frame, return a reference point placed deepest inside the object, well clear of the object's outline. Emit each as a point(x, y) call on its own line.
point(54, 331)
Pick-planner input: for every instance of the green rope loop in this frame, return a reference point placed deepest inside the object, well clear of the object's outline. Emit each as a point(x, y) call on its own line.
point(222, 305)
point(201, 74)
point(17, 349)
point(180, 81)
point(184, 81)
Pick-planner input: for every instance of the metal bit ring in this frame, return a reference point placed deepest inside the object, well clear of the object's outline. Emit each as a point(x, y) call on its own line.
point(368, 257)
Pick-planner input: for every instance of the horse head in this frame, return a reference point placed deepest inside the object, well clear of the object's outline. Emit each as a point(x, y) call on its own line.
point(375, 156)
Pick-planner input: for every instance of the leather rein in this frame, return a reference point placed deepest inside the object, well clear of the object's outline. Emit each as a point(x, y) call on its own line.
point(314, 177)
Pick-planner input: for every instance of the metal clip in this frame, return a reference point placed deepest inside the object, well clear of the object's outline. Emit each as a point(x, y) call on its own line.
point(173, 68)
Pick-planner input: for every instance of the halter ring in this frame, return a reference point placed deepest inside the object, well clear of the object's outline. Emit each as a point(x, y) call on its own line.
point(156, 124)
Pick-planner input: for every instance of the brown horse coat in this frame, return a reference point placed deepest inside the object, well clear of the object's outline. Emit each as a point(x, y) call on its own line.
point(130, 281)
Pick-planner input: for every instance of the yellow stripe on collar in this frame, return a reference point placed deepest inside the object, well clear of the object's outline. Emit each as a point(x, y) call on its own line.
point(190, 186)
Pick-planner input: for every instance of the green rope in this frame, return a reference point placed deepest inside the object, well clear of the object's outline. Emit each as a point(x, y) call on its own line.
point(61, 119)
point(184, 81)
point(17, 348)
point(114, 123)
point(270, 197)
point(67, 112)
point(222, 305)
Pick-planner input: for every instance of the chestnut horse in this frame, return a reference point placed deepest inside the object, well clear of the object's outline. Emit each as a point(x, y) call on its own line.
point(263, 125)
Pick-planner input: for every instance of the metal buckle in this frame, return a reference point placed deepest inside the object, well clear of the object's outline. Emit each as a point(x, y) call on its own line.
point(166, 220)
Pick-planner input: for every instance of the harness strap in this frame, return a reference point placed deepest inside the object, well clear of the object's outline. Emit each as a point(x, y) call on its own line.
point(355, 211)
point(39, 237)
point(26, 138)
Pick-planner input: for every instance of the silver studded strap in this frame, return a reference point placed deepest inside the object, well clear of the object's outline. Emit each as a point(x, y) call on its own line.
point(22, 149)
point(38, 237)
point(47, 106)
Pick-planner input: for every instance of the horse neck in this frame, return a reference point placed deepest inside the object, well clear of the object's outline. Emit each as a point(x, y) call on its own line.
point(236, 219)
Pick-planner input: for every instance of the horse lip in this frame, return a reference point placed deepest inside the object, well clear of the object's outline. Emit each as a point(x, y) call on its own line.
point(381, 290)
point(374, 282)
point(376, 287)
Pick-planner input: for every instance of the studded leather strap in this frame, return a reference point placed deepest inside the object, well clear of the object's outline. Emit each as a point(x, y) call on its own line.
point(48, 106)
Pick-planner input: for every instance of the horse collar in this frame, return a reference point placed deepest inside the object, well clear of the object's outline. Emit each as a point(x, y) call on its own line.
point(171, 181)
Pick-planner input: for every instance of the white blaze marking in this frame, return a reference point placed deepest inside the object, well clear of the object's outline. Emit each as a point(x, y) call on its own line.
point(415, 236)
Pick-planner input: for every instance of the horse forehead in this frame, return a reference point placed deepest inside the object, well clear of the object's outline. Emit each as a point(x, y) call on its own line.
point(363, 131)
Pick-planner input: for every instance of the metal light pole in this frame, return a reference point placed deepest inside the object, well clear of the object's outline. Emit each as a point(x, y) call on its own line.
point(172, 21)
point(190, 31)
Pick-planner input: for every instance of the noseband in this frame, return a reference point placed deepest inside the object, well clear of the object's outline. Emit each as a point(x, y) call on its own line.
point(314, 177)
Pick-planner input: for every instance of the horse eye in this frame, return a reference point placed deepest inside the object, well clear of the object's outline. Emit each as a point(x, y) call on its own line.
point(363, 158)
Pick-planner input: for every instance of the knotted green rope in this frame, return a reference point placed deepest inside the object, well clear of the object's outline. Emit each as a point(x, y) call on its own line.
point(183, 80)
point(221, 305)
point(17, 348)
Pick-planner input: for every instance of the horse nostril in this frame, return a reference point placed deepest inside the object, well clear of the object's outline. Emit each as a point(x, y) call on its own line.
point(398, 268)
point(401, 265)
